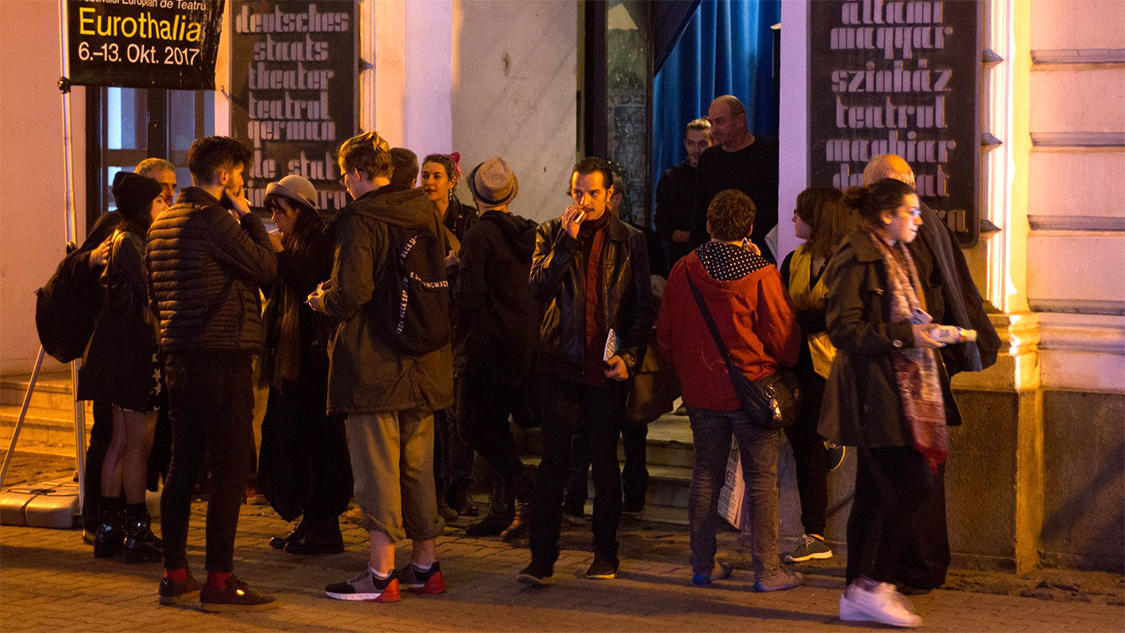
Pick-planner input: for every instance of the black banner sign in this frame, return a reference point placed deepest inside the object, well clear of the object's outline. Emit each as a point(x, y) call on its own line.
point(294, 70)
point(889, 77)
point(143, 43)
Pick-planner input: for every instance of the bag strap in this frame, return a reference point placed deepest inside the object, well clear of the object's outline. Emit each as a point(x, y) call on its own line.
point(708, 319)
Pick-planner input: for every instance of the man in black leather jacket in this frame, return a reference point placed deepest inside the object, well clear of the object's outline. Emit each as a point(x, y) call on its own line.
point(590, 274)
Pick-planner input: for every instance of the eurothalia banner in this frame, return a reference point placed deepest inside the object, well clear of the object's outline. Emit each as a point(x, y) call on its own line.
point(143, 43)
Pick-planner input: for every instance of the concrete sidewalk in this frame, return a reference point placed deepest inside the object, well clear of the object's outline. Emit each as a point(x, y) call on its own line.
point(51, 582)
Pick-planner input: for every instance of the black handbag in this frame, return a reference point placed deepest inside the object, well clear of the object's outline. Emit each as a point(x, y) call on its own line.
point(771, 402)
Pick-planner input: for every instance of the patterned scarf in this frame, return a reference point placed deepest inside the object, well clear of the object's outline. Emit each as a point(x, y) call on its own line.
point(916, 369)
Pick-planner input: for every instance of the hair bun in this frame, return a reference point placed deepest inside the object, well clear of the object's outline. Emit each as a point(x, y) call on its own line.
point(854, 197)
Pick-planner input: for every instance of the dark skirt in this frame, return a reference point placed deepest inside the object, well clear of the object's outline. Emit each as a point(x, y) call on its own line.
point(119, 365)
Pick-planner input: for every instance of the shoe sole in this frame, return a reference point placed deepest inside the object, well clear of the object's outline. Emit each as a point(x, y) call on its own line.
point(212, 607)
point(535, 581)
point(601, 576)
point(789, 558)
point(851, 612)
point(188, 596)
point(761, 589)
point(364, 597)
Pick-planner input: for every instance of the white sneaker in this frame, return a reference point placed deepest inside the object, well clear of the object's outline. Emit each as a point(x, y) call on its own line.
point(882, 604)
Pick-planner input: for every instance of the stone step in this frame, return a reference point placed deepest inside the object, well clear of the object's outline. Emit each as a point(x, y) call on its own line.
point(44, 427)
point(669, 442)
point(53, 390)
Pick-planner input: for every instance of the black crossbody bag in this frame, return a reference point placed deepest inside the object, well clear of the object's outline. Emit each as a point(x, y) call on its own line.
point(770, 402)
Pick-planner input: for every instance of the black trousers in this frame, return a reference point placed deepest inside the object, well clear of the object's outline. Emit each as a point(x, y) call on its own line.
point(568, 408)
point(892, 487)
point(810, 457)
point(211, 404)
point(634, 474)
point(484, 409)
point(926, 557)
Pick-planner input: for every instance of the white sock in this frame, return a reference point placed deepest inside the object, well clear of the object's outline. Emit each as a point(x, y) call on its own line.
point(375, 573)
point(420, 568)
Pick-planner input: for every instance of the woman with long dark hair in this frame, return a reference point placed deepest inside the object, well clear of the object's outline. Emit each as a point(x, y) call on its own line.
point(439, 176)
point(823, 221)
point(886, 394)
point(120, 367)
point(303, 468)
point(453, 459)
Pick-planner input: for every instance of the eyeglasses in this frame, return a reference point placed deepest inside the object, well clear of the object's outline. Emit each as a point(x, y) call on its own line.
point(340, 179)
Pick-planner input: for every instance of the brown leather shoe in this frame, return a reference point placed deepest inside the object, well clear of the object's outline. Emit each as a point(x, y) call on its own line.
point(236, 597)
point(172, 592)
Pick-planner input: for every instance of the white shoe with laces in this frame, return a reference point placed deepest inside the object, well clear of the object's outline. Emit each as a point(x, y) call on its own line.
point(880, 602)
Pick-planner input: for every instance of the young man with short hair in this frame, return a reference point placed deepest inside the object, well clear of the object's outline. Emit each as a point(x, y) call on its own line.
point(205, 268)
point(675, 194)
point(388, 395)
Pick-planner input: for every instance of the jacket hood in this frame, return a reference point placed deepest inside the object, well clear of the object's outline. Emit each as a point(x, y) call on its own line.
point(518, 232)
point(410, 208)
point(714, 289)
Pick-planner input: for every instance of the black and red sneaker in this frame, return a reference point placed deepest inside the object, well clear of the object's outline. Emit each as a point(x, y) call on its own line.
point(365, 587)
point(427, 582)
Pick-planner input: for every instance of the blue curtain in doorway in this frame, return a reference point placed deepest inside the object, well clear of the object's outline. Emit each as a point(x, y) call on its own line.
point(726, 48)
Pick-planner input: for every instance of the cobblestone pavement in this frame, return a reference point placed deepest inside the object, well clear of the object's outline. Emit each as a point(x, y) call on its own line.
point(51, 582)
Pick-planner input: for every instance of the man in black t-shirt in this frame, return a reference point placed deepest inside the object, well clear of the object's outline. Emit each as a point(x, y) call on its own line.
point(737, 160)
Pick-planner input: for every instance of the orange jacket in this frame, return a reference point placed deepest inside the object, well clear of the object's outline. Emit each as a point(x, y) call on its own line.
point(753, 316)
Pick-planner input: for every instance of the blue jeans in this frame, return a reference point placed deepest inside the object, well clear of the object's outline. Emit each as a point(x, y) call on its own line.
point(758, 446)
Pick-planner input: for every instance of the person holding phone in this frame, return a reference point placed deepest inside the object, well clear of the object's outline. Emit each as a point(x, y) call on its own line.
point(590, 273)
point(887, 394)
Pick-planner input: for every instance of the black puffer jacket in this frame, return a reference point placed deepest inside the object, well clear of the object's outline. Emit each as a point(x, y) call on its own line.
point(205, 268)
point(497, 319)
point(558, 282)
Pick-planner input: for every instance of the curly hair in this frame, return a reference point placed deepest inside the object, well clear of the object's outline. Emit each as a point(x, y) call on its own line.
point(731, 215)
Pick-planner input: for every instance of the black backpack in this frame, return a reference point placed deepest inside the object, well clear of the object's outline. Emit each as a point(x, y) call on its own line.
point(67, 307)
point(413, 310)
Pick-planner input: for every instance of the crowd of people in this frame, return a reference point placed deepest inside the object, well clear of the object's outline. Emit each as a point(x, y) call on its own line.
point(406, 334)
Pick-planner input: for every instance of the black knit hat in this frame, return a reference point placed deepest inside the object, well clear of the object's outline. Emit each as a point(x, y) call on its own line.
point(134, 194)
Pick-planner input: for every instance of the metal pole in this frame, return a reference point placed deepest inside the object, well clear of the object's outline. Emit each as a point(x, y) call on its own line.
point(23, 414)
point(71, 236)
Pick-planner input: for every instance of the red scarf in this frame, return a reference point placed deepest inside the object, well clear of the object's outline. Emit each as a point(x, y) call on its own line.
point(916, 369)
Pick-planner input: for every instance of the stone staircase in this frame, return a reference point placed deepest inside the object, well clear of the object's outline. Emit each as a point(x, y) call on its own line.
point(48, 428)
point(669, 459)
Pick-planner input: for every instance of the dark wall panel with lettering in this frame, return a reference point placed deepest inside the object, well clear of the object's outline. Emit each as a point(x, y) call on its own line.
point(294, 69)
point(899, 78)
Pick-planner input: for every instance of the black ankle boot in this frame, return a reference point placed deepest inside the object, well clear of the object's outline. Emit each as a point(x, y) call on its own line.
point(109, 540)
point(141, 545)
point(459, 499)
point(524, 489)
point(500, 502)
point(323, 537)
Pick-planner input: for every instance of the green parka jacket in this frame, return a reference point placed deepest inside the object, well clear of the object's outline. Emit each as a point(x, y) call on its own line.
point(366, 375)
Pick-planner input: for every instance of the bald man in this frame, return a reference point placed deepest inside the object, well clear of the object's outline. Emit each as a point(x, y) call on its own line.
point(951, 299)
point(737, 160)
